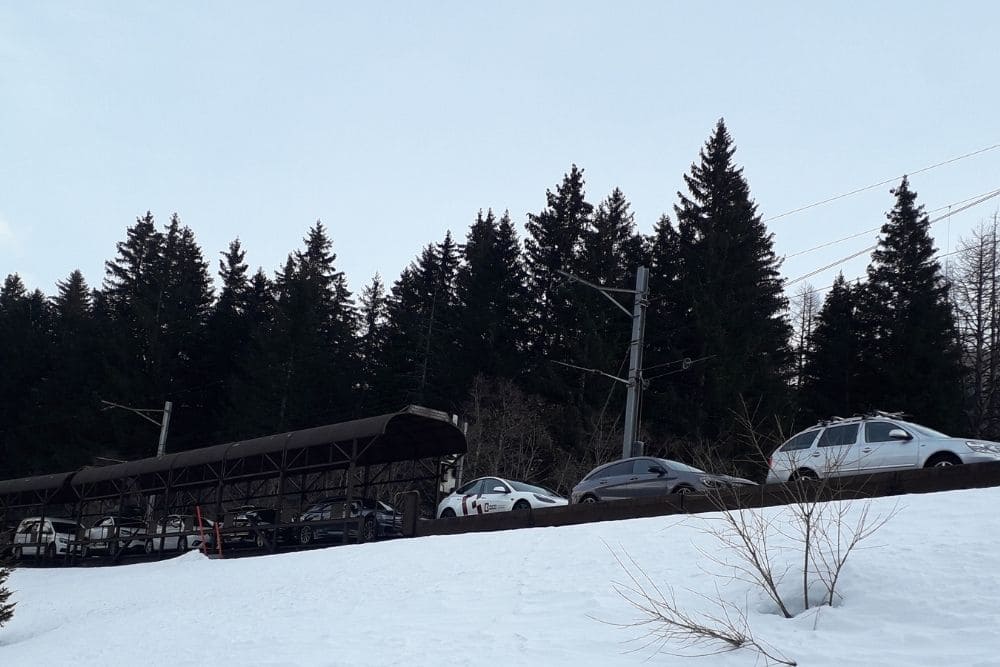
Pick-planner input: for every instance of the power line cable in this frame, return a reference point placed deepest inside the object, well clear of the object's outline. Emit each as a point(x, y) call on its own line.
point(879, 184)
point(873, 247)
point(875, 229)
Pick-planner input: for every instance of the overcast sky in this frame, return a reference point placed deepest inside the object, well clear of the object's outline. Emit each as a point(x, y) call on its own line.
point(393, 122)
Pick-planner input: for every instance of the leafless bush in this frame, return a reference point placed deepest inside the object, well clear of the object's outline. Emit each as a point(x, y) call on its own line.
point(507, 432)
point(666, 623)
point(787, 554)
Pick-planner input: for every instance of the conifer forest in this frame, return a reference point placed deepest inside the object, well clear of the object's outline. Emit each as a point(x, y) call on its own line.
point(477, 322)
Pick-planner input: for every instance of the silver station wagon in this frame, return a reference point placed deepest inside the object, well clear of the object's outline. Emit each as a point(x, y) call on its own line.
point(872, 443)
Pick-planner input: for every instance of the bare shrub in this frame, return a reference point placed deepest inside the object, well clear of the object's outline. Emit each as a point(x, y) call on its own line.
point(698, 634)
point(507, 432)
point(786, 554)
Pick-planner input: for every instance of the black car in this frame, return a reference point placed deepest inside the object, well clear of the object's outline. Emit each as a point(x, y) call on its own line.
point(376, 520)
point(252, 525)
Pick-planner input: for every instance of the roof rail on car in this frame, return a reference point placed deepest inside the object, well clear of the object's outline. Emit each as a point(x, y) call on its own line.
point(871, 414)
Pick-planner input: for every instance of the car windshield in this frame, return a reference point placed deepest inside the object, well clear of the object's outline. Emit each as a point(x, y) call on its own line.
point(64, 527)
point(531, 488)
point(677, 465)
point(929, 432)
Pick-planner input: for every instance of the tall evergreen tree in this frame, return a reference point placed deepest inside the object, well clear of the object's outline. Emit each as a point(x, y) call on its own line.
point(911, 354)
point(421, 330)
point(257, 374)
point(830, 384)
point(227, 340)
point(372, 341)
point(492, 294)
point(25, 359)
point(728, 301)
point(610, 252)
point(314, 336)
point(71, 390)
point(553, 244)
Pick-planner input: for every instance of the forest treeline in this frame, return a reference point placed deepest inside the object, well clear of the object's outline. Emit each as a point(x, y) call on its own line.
point(475, 325)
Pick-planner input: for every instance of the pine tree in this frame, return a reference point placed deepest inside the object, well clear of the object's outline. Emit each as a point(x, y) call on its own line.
point(830, 384)
point(25, 357)
point(6, 607)
point(314, 337)
point(553, 244)
point(492, 294)
point(227, 339)
point(609, 255)
point(421, 330)
point(73, 385)
point(372, 340)
point(911, 355)
point(728, 303)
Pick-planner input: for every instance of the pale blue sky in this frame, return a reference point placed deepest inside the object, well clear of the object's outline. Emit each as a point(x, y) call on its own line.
point(393, 122)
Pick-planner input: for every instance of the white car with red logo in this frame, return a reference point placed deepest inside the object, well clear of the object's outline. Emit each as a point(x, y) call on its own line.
point(492, 494)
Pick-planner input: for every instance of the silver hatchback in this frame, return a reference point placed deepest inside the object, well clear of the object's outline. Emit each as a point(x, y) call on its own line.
point(872, 443)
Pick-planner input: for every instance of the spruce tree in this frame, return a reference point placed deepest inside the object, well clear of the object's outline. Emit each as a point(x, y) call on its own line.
point(830, 384)
point(314, 339)
point(609, 255)
point(374, 308)
point(421, 331)
point(25, 357)
point(728, 303)
point(553, 244)
point(911, 355)
point(492, 294)
point(6, 606)
point(227, 340)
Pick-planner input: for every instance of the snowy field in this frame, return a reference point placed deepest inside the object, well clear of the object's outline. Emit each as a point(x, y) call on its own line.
point(926, 591)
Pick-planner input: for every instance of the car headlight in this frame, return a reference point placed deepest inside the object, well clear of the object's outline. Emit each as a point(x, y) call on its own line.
point(982, 447)
point(710, 482)
point(543, 499)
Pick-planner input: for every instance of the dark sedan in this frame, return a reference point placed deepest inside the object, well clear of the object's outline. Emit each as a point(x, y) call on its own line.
point(336, 519)
point(251, 525)
point(645, 476)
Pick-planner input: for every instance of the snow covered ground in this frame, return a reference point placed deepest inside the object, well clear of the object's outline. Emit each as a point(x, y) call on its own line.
point(926, 591)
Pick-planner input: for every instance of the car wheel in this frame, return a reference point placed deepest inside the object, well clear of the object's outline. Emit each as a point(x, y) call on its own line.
point(447, 513)
point(369, 529)
point(148, 546)
point(683, 490)
point(522, 505)
point(942, 461)
point(589, 498)
point(260, 540)
point(306, 535)
point(182, 544)
point(803, 475)
point(16, 553)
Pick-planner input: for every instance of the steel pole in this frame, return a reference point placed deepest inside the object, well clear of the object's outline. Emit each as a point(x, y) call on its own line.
point(635, 364)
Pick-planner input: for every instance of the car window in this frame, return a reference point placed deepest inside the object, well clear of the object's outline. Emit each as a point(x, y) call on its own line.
point(470, 488)
point(106, 522)
point(66, 528)
point(620, 468)
point(878, 431)
point(531, 488)
point(27, 527)
point(490, 483)
point(837, 436)
point(642, 466)
point(801, 441)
